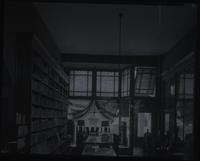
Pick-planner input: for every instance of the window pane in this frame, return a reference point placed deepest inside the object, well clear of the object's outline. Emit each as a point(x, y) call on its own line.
point(107, 74)
point(107, 84)
point(80, 72)
point(90, 83)
point(98, 84)
point(186, 85)
point(80, 94)
point(125, 84)
point(116, 84)
point(144, 123)
point(189, 85)
point(80, 83)
point(145, 82)
point(71, 83)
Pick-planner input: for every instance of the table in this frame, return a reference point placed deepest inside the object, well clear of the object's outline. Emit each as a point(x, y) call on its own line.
point(96, 150)
point(98, 140)
point(94, 145)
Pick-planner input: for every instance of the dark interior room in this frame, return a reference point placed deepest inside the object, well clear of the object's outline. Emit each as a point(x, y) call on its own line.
point(100, 79)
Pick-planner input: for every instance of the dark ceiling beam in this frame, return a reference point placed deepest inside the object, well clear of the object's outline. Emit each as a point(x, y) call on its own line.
point(133, 2)
point(87, 58)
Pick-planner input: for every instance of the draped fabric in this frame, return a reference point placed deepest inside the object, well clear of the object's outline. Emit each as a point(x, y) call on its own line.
point(79, 108)
point(109, 109)
point(83, 112)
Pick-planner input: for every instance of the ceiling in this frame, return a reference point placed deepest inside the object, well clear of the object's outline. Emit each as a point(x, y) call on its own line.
point(94, 28)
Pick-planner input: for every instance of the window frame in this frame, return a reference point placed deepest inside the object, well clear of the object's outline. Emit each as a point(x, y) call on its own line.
point(115, 89)
point(88, 92)
point(128, 81)
point(151, 82)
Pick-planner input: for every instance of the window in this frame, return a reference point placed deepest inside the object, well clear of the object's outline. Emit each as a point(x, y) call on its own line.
point(145, 81)
point(144, 124)
point(107, 84)
point(80, 83)
point(125, 84)
point(186, 85)
point(184, 110)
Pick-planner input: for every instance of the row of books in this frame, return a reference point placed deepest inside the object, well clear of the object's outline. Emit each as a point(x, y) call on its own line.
point(47, 102)
point(59, 88)
point(38, 125)
point(41, 148)
point(44, 81)
point(48, 65)
point(63, 82)
point(45, 142)
point(42, 136)
point(22, 130)
point(39, 87)
point(39, 75)
point(47, 90)
point(38, 112)
point(41, 64)
point(49, 116)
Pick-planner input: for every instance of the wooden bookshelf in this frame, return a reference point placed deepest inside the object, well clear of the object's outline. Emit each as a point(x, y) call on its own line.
point(49, 85)
point(22, 132)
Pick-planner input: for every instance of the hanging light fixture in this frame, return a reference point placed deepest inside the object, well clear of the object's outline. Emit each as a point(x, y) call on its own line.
point(119, 54)
point(159, 14)
point(120, 30)
point(119, 50)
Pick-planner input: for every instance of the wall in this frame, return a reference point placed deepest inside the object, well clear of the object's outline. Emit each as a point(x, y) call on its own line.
point(184, 47)
point(20, 18)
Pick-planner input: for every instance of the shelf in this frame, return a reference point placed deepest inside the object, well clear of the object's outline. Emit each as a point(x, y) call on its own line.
point(41, 130)
point(46, 95)
point(43, 134)
point(39, 80)
point(46, 107)
point(36, 65)
point(49, 118)
point(49, 90)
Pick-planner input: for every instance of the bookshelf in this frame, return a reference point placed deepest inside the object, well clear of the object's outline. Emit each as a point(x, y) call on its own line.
point(22, 132)
point(49, 86)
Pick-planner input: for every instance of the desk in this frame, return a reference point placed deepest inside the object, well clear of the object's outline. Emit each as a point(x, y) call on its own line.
point(98, 140)
point(94, 145)
point(93, 139)
point(95, 150)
